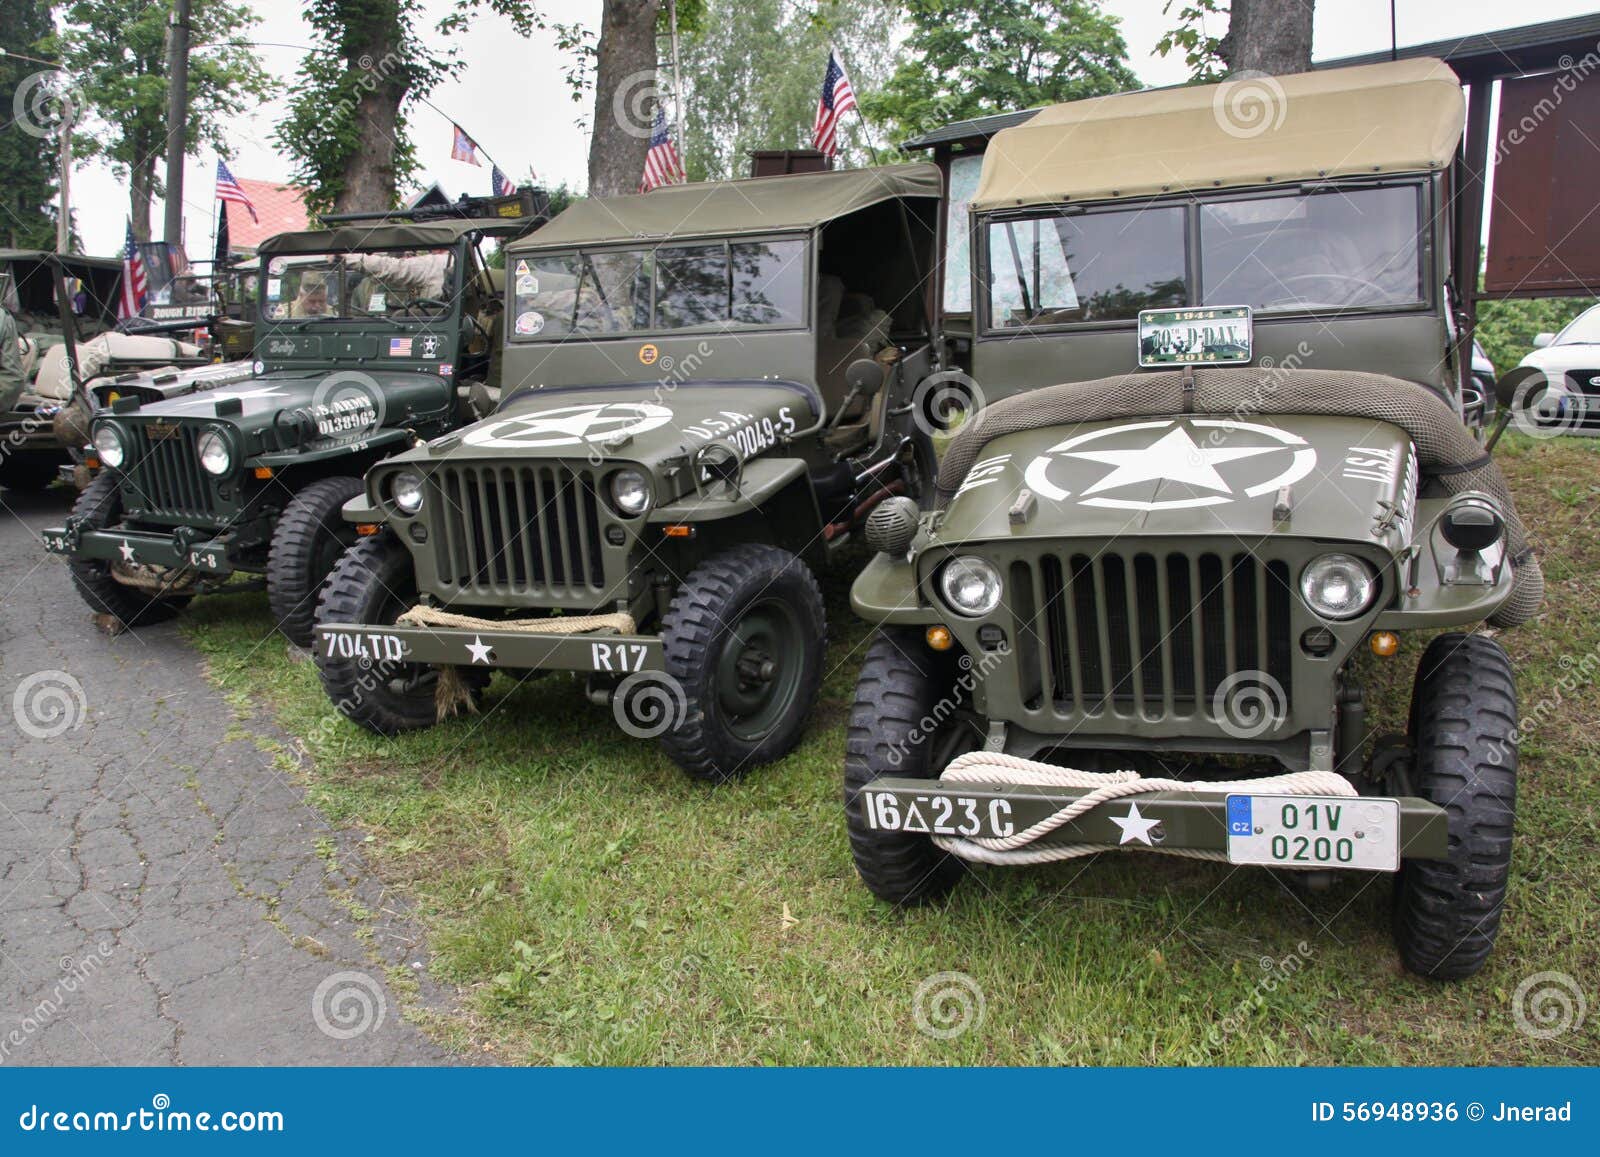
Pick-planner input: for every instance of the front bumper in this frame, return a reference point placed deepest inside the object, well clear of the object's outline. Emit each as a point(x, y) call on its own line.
point(1188, 820)
point(597, 653)
point(207, 556)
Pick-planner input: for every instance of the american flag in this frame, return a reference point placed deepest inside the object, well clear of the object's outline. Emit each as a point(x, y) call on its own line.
point(498, 182)
point(463, 147)
point(661, 164)
point(838, 98)
point(228, 189)
point(135, 285)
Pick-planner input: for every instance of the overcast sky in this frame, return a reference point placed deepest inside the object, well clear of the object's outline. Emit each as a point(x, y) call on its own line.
point(513, 100)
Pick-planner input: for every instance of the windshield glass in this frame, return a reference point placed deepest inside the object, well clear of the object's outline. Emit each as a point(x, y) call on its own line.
point(612, 292)
point(1581, 330)
point(1353, 248)
point(392, 283)
point(1345, 249)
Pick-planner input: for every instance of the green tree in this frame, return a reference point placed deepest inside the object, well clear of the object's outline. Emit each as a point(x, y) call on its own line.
point(346, 128)
point(27, 150)
point(115, 53)
point(753, 73)
point(987, 56)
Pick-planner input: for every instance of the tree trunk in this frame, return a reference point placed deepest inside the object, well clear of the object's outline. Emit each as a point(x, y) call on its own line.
point(369, 184)
point(141, 192)
point(1271, 36)
point(624, 79)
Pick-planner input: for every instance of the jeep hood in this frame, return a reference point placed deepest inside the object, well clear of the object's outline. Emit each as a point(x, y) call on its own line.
point(1335, 478)
point(267, 399)
point(646, 423)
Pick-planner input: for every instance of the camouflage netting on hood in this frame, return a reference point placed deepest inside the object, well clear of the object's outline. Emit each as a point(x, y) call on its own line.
point(1446, 451)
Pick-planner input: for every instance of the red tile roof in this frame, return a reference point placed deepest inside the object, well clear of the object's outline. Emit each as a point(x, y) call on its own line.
point(280, 208)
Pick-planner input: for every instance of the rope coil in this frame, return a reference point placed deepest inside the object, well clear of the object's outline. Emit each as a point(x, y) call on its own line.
point(421, 616)
point(1103, 787)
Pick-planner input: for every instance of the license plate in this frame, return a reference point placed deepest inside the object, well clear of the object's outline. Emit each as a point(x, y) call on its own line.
point(55, 543)
point(1304, 831)
point(938, 815)
point(1222, 335)
point(208, 558)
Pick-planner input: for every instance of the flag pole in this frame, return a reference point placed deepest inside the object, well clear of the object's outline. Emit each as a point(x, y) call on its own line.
point(677, 88)
point(214, 200)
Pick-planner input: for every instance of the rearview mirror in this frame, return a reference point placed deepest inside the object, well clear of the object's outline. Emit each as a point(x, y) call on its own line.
point(864, 376)
point(1540, 340)
point(1516, 389)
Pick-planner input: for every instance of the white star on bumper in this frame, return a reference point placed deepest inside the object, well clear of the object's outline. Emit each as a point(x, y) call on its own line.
point(479, 650)
point(1135, 827)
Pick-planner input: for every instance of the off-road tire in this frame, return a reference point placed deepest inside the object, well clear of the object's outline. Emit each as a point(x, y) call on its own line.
point(29, 473)
point(1463, 732)
point(900, 683)
point(98, 507)
point(373, 584)
point(306, 545)
point(699, 624)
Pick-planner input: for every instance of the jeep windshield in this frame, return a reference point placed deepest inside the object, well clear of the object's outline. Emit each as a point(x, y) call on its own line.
point(392, 283)
point(710, 285)
point(1346, 248)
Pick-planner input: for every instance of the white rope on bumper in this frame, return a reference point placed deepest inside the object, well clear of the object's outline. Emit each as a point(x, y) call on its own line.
point(997, 767)
point(422, 616)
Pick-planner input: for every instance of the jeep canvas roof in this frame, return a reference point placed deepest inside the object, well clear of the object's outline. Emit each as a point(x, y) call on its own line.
point(392, 235)
point(721, 208)
point(1394, 117)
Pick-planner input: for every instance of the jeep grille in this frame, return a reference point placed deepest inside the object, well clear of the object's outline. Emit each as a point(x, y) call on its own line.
point(163, 475)
point(1138, 635)
point(518, 530)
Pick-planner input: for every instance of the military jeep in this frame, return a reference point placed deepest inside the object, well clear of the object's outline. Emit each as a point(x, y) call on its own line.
point(371, 337)
point(1131, 618)
point(708, 389)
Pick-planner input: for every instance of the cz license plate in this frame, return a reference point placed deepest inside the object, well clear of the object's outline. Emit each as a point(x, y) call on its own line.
point(1306, 831)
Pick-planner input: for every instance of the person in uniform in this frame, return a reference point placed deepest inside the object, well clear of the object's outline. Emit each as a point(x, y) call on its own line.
point(11, 380)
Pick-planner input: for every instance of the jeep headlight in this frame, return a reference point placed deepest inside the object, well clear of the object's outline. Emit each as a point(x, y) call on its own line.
point(108, 443)
point(970, 585)
point(215, 455)
point(630, 492)
point(1338, 586)
point(406, 490)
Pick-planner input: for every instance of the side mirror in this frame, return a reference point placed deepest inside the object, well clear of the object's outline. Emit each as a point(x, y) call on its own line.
point(1514, 390)
point(1540, 340)
point(865, 376)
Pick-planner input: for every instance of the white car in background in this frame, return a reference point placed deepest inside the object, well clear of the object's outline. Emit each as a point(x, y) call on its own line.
point(1565, 393)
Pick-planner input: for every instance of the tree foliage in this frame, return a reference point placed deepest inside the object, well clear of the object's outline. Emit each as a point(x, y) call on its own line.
point(27, 158)
point(753, 73)
point(967, 59)
point(1195, 35)
point(346, 131)
point(115, 53)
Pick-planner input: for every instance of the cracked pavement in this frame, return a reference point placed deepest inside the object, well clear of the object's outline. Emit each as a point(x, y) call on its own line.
point(167, 896)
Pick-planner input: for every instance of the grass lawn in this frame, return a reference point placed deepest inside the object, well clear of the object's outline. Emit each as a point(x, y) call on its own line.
point(593, 906)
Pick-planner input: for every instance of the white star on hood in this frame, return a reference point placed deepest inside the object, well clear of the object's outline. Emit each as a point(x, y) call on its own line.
point(1173, 457)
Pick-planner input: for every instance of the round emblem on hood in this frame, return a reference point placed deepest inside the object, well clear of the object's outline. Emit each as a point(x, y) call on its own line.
point(1190, 460)
point(569, 426)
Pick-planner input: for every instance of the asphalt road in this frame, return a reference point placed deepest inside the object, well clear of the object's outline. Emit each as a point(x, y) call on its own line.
point(164, 889)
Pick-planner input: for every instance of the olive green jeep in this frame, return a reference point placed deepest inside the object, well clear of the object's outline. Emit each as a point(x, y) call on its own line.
point(708, 388)
point(371, 336)
point(1131, 618)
